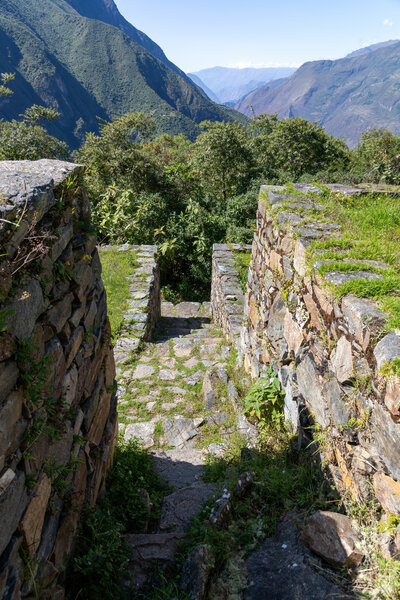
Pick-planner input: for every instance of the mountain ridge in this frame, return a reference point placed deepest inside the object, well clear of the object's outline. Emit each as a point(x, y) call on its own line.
point(346, 96)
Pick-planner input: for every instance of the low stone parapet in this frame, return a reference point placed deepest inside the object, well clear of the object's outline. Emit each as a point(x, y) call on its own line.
point(227, 295)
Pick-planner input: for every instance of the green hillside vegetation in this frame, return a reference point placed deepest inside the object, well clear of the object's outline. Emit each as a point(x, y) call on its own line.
point(346, 96)
point(85, 68)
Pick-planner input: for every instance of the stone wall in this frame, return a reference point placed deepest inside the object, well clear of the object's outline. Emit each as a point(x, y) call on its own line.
point(227, 297)
point(328, 352)
point(58, 419)
point(144, 304)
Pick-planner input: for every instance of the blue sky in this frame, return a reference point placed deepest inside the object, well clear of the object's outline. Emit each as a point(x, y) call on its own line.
point(207, 33)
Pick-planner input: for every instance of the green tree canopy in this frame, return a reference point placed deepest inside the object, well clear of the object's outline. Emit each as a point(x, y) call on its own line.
point(223, 158)
point(377, 157)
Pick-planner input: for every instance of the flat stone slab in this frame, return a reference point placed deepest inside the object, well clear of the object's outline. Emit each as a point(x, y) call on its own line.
point(148, 548)
point(194, 379)
point(142, 431)
point(337, 278)
point(168, 374)
point(179, 468)
point(142, 371)
point(280, 570)
point(179, 431)
point(179, 508)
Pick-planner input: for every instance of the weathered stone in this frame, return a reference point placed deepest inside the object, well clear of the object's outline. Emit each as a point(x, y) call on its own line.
point(168, 374)
point(387, 350)
point(337, 403)
point(179, 468)
point(25, 309)
point(179, 508)
point(178, 431)
point(309, 383)
point(281, 569)
point(6, 346)
point(13, 501)
point(150, 549)
point(9, 374)
point(194, 379)
point(142, 371)
point(341, 278)
point(342, 360)
point(10, 413)
point(196, 572)
point(144, 432)
point(392, 396)
point(60, 312)
point(331, 536)
point(183, 348)
point(96, 430)
point(32, 522)
point(69, 385)
point(363, 318)
point(210, 386)
point(57, 367)
point(387, 492)
point(292, 333)
point(386, 436)
point(73, 345)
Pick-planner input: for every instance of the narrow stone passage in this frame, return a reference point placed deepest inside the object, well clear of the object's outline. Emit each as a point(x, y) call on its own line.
point(176, 398)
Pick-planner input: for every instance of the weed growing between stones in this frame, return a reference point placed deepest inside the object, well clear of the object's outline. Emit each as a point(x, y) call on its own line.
point(117, 266)
point(242, 262)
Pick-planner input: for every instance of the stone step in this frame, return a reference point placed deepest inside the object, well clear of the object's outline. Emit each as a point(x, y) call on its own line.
point(179, 508)
point(179, 468)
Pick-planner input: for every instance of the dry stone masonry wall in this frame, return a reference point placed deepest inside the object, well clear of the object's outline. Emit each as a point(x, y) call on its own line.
point(144, 303)
point(58, 419)
point(227, 297)
point(328, 352)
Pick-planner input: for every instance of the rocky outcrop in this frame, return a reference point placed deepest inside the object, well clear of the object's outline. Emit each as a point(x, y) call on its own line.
point(58, 419)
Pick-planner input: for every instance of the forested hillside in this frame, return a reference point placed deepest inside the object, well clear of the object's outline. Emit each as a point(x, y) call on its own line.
point(85, 68)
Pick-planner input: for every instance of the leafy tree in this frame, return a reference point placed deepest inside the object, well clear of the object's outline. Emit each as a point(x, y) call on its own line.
point(25, 140)
point(377, 157)
point(296, 146)
point(5, 79)
point(223, 158)
point(115, 156)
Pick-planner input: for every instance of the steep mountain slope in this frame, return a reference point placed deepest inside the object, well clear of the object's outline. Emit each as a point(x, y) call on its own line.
point(203, 86)
point(107, 11)
point(231, 84)
point(346, 96)
point(86, 68)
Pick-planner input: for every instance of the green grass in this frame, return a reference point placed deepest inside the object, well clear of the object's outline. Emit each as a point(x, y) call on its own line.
point(370, 228)
point(117, 266)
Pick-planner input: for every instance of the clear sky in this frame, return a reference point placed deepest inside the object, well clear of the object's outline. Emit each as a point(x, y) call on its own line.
point(208, 33)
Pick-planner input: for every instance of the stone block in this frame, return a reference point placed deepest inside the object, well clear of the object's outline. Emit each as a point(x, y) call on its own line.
point(386, 439)
point(392, 396)
point(342, 360)
point(57, 315)
point(310, 386)
point(387, 350)
point(363, 318)
point(96, 430)
point(57, 368)
point(387, 492)
point(27, 305)
point(332, 536)
point(13, 501)
point(10, 413)
point(73, 345)
point(69, 386)
point(64, 235)
point(9, 374)
point(32, 522)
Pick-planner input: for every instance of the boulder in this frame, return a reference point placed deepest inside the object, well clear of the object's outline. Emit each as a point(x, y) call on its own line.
point(196, 572)
point(331, 536)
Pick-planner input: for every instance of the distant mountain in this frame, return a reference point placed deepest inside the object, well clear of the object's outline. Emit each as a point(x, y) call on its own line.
point(203, 86)
point(371, 48)
point(346, 96)
point(82, 58)
point(230, 85)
